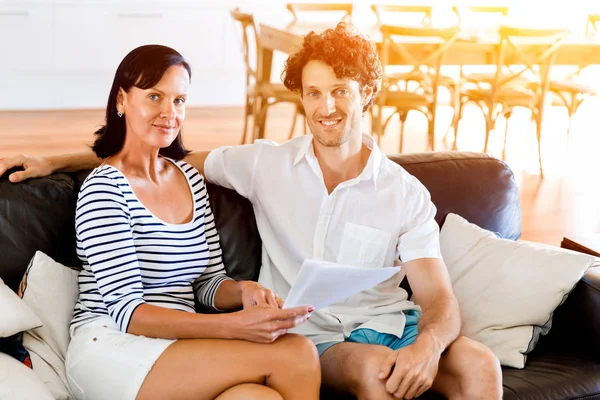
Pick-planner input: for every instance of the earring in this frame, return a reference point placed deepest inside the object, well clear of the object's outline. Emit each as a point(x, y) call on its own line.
point(120, 114)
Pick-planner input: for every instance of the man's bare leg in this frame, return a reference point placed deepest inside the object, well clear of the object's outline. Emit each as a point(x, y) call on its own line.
point(467, 370)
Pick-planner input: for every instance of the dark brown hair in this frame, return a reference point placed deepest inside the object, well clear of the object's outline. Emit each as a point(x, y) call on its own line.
point(349, 54)
point(143, 68)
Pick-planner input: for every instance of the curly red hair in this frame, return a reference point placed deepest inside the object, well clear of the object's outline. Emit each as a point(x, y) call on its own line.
point(349, 54)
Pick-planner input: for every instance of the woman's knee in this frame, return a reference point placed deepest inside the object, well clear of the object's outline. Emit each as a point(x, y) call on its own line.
point(249, 391)
point(298, 346)
point(298, 351)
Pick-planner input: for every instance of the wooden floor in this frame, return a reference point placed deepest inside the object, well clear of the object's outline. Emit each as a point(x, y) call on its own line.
point(565, 202)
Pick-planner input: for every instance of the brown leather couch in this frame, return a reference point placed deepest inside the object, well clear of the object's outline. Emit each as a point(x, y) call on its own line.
point(39, 215)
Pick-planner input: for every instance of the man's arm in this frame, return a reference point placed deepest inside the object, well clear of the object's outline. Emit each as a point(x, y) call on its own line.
point(439, 324)
point(196, 159)
point(411, 370)
point(35, 167)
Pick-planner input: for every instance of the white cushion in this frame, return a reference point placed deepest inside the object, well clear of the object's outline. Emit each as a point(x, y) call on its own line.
point(507, 290)
point(16, 315)
point(17, 382)
point(51, 290)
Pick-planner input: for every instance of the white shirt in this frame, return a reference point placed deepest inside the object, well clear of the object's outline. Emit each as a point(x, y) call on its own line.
point(370, 221)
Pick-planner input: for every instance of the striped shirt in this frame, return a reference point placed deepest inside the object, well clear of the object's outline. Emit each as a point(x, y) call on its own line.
point(131, 257)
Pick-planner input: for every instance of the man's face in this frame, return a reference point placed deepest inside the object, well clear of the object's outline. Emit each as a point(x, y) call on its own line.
point(333, 106)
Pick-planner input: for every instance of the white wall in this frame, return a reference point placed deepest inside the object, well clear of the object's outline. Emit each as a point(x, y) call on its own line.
point(64, 53)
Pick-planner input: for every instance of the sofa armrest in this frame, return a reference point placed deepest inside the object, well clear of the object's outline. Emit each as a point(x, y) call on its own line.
point(576, 323)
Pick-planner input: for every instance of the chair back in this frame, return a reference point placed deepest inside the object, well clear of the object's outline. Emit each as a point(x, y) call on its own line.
point(345, 10)
point(526, 53)
point(480, 19)
point(402, 13)
point(592, 26)
point(251, 46)
point(430, 57)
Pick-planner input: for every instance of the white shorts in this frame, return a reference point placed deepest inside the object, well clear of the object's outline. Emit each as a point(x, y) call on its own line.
point(105, 363)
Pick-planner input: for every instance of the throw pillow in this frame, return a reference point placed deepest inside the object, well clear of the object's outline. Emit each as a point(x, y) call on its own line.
point(17, 382)
point(507, 290)
point(16, 315)
point(51, 290)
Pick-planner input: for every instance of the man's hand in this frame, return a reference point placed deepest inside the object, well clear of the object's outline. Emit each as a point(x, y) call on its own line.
point(264, 324)
point(254, 294)
point(34, 167)
point(410, 371)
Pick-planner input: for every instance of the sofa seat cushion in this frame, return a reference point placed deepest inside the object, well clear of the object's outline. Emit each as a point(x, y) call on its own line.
point(553, 376)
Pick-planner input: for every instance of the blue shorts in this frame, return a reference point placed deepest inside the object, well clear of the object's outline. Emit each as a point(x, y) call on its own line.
point(370, 336)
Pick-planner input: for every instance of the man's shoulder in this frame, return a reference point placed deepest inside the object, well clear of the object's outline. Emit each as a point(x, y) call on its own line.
point(393, 173)
point(271, 150)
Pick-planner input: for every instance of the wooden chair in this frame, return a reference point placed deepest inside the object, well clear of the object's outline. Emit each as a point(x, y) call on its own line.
point(488, 19)
point(425, 97)
point(592, 26)
point(345, 9)
point(409, 15)
point(508, 89)
point(462, 12)
point(260, 95)
point(421, 12)
point(494, 17)
point(571, 91)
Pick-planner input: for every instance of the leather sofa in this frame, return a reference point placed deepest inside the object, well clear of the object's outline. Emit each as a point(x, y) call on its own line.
point(39, 215)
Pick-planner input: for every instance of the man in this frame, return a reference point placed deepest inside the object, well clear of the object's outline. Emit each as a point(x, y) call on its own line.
point(334, 196)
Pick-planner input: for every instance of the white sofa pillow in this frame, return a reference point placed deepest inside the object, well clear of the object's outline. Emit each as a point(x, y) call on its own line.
point(15, 315)
point(17, 382)
point(51, 290)
point(507, 290)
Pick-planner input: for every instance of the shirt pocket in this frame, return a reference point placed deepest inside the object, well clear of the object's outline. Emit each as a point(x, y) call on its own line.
point(363, 246)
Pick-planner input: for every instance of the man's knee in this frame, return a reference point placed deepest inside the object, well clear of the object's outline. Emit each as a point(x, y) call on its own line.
point(479, 357)
point(480, 369)
point(366, 383)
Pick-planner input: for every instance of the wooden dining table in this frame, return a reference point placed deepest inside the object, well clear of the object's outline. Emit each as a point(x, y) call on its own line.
point(472, 48)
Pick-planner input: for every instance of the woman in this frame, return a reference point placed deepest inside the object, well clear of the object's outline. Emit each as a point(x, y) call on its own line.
point(147, 240)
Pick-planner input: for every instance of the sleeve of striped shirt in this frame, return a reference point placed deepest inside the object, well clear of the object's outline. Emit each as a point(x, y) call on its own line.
point(103, 228)
point(205, 287)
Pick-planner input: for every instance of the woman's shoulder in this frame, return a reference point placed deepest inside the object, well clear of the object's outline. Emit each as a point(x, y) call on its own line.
point(191, 173)
point(103, 179)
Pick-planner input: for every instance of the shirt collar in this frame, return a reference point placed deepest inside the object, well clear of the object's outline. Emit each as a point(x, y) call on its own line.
point(373, 163)
point(303, 148)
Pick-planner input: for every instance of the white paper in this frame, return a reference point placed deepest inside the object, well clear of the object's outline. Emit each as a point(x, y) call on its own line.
point(321, 283)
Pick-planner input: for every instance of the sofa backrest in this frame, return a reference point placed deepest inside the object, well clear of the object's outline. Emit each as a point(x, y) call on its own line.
point(39, 214)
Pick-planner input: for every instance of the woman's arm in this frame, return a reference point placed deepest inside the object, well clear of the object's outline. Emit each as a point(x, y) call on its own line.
point(262, 324)
point(232, 295)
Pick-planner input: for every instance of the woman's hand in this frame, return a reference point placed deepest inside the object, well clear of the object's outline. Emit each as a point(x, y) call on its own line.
point(254, 294)
point(264, 323)
point(34, 167)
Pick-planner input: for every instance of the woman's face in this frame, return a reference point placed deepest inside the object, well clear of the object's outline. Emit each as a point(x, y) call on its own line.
point(154, 116)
